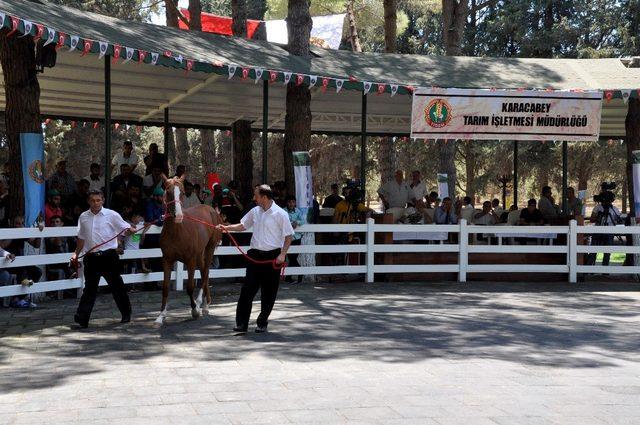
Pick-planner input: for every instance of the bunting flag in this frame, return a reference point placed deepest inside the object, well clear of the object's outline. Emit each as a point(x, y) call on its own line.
point(339, 84)
point(394, 89)
point(189, 66)
point(96, 124)
point(273, 76)
point(103, 48)
point(2, 16)
point(381, 88)
point(87, 47)
point(141, 56)
point(128, 54)
point(51, 35)
point(259, 72)
point(167, 53)
point(179, 59)
point(154, 58)
point(366, 87)
point(74, 124)
point(608, 95)
point(245, 73)
point(116, 52)
point(27, 27)
point(61, 39)
point(15, 22)
point(73, 41)
point(626, 93)
point(116, 125)
point(313, 79)
point(325, 84)
point(232, 71)
point(287, 78)
point(39, 32)
point(299, 79)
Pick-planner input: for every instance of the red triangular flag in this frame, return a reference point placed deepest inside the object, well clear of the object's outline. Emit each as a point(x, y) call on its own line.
point(95, 124)
point(245, 73)
point(299, 79)
point(141, 55)
point(273, 75)
point(15, 22)
point(61, 39)
point(87, 47)
point(39, 32)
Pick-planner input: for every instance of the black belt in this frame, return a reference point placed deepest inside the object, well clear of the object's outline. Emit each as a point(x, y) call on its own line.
point(101, 253)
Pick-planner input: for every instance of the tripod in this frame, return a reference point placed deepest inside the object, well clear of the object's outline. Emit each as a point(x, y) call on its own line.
point(602, 239)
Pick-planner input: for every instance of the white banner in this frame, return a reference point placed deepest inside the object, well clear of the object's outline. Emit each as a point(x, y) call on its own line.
point(635, 167)
point(326, 31)
point(304, 200)
point(443, 185)
point(505, 114)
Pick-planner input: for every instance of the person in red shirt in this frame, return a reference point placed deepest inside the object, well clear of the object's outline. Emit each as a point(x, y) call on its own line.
point(52, 206)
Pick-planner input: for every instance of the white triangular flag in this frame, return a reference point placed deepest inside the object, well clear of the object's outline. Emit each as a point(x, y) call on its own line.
point(259, 72)
point(74, 40)
point(287, 77)
point(313, 79)
point(103, 48)
point(2, 16)
point(154, 58)
point(27, 27)
point(51, 35)
point(339, 84)
point(179, 59)
point(367, 87)
point(394, 89)
point(129, 54)
point(626, 94)
point(232, 70)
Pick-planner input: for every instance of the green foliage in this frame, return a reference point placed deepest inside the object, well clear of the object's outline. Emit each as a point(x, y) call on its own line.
point(133, 10)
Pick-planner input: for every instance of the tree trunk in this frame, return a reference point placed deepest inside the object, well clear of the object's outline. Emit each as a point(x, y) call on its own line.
point(632, 140)
point(257, 10)
point(390, 26)
point(22, 107)
point(454, 16)
point(239, 15)
point(171, 13)
point(353, 30)
point(182, 147)
point(195, 15)
point(243, 156)
point(208, 151)
point(447, 154)
point(297, 124)
point(171, 146)
point(470, 169)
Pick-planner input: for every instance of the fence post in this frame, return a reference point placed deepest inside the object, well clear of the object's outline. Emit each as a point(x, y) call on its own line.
point(370, 249)
point(572, 254)
point(463, 252)
point(179, 276)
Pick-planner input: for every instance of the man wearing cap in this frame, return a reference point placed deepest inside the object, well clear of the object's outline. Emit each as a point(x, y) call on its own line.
point(271, 238)
point(96, 227)
point(53, 206)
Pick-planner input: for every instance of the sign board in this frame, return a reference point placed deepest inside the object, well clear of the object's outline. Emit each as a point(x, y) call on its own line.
point(505, 114)
point(443, 185)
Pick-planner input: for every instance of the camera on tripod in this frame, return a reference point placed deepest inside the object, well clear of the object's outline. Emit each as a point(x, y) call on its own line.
point(606, 196)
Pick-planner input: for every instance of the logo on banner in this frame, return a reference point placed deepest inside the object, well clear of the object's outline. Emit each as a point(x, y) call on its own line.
point(35, 171)
point(437, 113)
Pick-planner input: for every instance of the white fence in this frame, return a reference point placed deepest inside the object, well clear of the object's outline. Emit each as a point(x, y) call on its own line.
point(463, 249)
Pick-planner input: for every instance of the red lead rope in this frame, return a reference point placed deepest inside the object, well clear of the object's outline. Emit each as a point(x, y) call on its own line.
point(274, 263)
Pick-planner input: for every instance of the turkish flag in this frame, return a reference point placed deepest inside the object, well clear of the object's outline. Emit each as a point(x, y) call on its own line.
point(219, 24)
point(212, 180)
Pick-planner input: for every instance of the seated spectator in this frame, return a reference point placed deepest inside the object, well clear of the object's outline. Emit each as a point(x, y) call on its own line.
point(574, 204)
point(350, 209)
point(419, 189)
point(190, 198)
point(332, 200)
point(297, 219)
point(4, 203)
point(95, 179)
point(547, 205)
point(531, 216)
point(432, 200)
point(512, 216)
point(61, 180)
point(396, 193)
point(205, 196)
point(231, 204)
point(155, 158)
point(58, 245)
point(52, 207)
point(134, 200)
point(467, 204)
point(180, 170)
point(497, 208)
point(445, 213)
point(197, 189)
point(487, 217)
point(26, 275)
point(78, 202)
point(217, 197)
point(153, 181)
point(126, 156)
point(122, 181)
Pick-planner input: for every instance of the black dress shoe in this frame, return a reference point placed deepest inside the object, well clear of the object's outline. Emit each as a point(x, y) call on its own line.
point(82, 323)
point(240, 329)
point(126, 318)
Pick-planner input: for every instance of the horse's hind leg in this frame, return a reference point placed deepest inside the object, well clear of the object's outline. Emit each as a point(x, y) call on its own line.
point(204, 275)
point(195, 308)
point(166, 267)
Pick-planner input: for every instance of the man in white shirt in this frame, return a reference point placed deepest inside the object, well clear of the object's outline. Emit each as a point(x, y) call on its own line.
point(127, 156)
point(96, 180)
point(190, 198)
point(272, 236)
point(396, 193)
point(419, 189)
point(97, 228)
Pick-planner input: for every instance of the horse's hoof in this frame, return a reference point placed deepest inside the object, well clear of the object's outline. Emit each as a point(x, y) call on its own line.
point(205, 311)
point(160, 321)
point(195, 313)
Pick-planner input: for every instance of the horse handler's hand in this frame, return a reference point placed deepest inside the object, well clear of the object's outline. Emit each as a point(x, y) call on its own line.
point(221, 227)
point(281, 258)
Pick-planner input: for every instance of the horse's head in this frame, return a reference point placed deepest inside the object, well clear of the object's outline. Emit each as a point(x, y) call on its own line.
point(173, 197)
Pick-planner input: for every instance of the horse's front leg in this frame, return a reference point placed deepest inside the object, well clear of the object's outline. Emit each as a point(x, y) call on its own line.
point(195, 307)
point(167, 266)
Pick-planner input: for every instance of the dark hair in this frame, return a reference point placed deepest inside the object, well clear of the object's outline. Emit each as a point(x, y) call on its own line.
point(446, 199)
point(54, 217)
point(233, 184)
point(127, 143)
point(265, 190)
point(532, 202)
point(153, 145)
point(84, 181)
point(546, 189)
point(433, 194)
point(334, 186)
point(289, 198)
point(93, 192)
point(94, 165)
point(467, 200)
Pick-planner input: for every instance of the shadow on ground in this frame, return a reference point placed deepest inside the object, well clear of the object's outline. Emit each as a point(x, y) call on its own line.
point(579, 326)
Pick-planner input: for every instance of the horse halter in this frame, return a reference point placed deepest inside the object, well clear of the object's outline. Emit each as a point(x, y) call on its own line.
point(178, 215)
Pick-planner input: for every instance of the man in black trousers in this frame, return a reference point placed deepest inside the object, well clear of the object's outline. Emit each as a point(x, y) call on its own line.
point(272, 236)
point(96, 226)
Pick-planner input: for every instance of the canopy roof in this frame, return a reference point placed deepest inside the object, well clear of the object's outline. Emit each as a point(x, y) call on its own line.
point(205, 96)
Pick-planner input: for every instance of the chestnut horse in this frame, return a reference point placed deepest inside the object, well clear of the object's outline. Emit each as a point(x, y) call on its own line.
point(190, 241)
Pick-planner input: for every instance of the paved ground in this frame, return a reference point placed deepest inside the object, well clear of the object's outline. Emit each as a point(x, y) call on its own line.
point(337, 353)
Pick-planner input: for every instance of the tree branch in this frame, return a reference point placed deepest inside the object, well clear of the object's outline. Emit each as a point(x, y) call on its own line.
point(180, 15)
point(482, 5)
